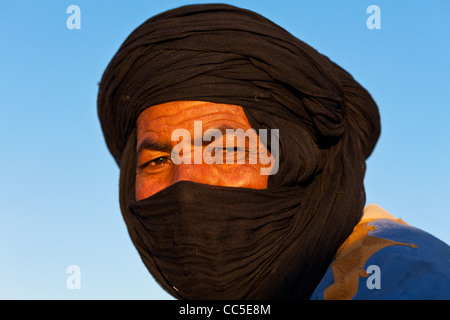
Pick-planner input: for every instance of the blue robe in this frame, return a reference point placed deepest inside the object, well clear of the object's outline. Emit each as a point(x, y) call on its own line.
point(385, 258)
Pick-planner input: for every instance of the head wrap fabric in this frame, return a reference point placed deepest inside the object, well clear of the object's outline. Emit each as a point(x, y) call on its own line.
point(329, 124)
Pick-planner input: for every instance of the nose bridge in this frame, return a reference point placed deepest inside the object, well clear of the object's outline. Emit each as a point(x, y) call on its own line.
point(182, 172)
point(194, 172)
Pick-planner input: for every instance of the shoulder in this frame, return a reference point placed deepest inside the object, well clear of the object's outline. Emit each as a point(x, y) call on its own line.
point(385, 258)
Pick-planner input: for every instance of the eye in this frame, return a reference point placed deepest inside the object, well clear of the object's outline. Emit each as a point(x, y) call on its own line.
point(159, 161)
point(235, 154)
point(237, 150)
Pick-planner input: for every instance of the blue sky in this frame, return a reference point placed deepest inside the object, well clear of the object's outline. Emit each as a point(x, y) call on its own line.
point(59, 184)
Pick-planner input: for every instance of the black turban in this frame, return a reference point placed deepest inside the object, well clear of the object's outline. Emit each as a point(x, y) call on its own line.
point(329, 124)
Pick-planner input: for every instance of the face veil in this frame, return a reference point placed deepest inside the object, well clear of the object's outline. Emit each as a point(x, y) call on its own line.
point(328, 125)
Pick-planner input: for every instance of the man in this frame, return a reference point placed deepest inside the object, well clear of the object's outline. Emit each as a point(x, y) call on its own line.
point(216, 208)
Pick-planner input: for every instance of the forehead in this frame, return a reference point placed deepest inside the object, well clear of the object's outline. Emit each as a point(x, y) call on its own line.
point(182, 114)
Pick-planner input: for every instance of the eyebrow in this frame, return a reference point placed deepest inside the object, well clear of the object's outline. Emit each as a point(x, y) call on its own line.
point(221, 128)
point(150, 144)
point(224, 128)
point(154, 145)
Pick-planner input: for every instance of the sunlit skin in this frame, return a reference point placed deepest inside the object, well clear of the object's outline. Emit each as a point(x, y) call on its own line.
point(155, 169)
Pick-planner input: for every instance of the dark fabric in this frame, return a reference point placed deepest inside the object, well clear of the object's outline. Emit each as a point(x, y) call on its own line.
point(207, 240)
point(328, 124)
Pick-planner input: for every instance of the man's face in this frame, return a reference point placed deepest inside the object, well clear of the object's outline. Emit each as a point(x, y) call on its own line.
point(157, 140)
